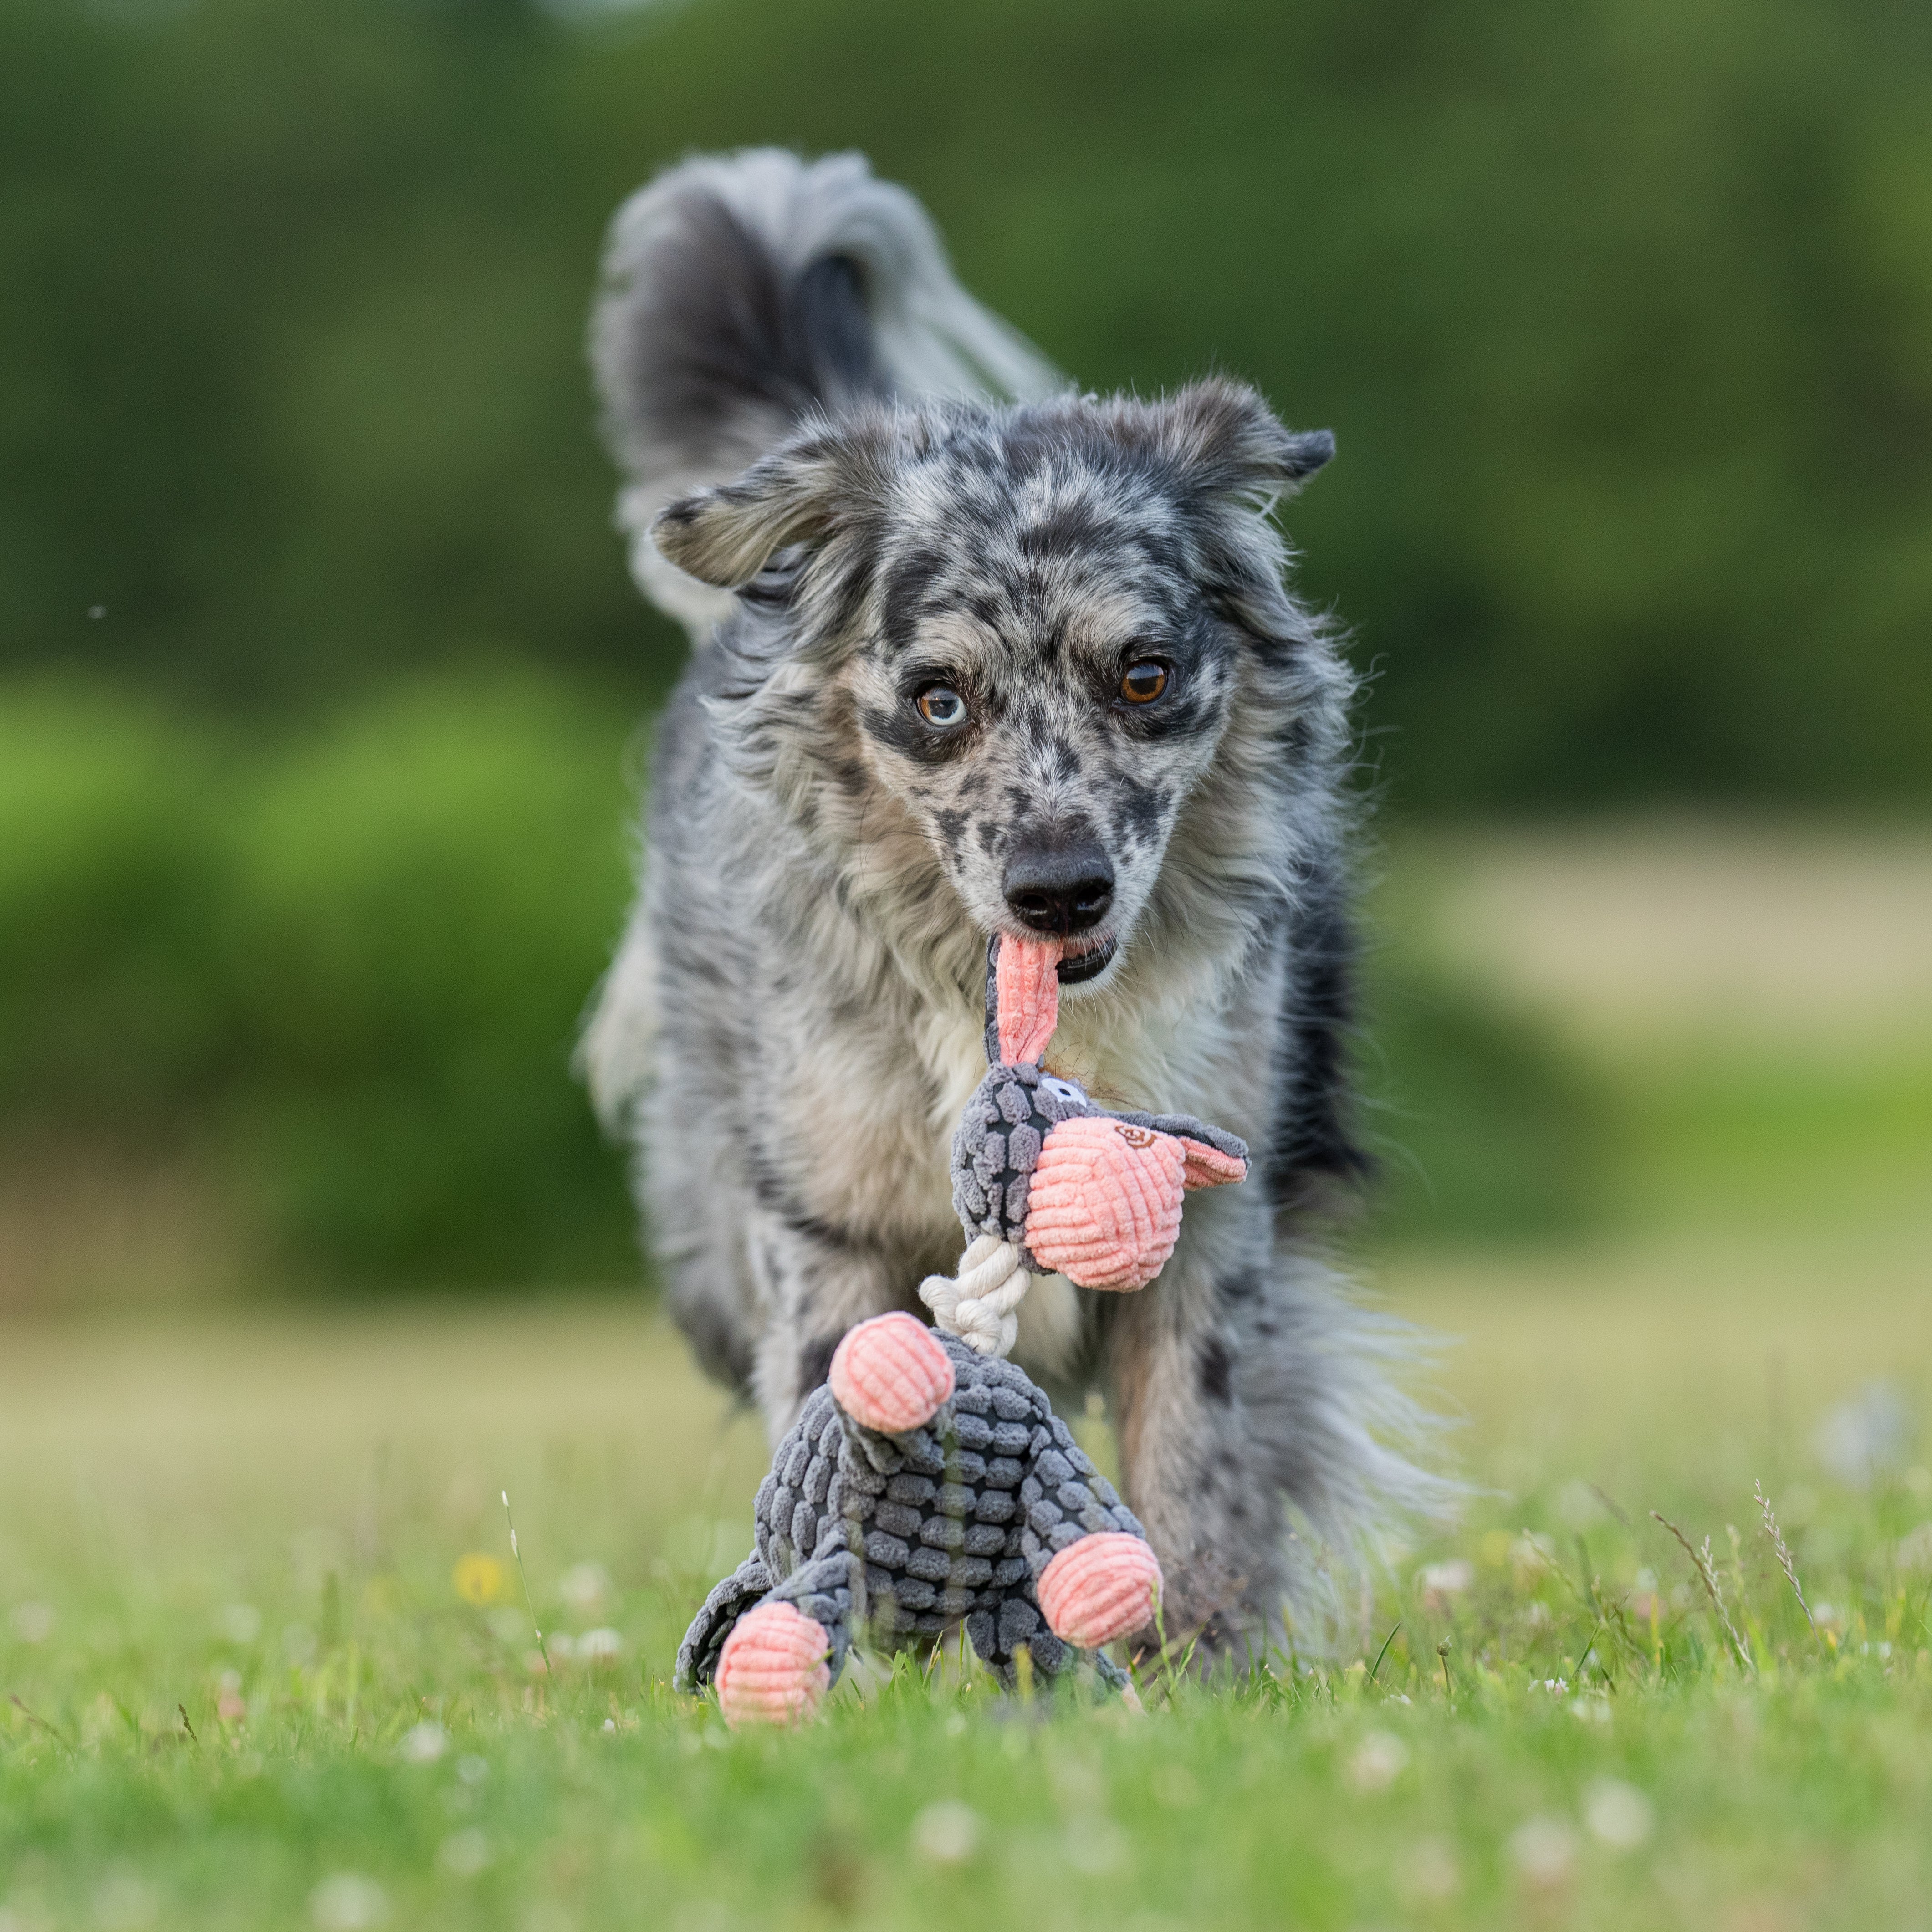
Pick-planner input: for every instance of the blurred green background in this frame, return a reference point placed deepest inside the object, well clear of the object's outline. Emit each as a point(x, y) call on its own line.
point(322, 683)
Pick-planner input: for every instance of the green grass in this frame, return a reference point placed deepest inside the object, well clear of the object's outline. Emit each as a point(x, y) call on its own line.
point(253, 1526)
point(251, 1692)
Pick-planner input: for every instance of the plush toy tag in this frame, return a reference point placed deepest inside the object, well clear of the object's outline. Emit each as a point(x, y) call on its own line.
point(1026, 988)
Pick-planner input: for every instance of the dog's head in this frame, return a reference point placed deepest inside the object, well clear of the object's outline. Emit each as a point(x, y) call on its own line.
point(1029, 628)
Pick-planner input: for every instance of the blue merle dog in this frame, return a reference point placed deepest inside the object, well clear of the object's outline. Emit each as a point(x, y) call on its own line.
point(974, 653)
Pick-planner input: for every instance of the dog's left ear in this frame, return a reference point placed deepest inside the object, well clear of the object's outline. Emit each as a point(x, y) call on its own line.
point(1231, 461)
point(798, 493)
point(1228, 443)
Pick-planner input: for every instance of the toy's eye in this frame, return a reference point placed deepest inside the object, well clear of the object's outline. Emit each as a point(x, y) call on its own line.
point(940, 705)
point(1064, 1091)
point(1143, 682)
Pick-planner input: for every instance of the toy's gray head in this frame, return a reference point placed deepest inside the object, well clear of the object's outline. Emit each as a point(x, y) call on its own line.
point(1004, 1127)
point(1058, 1098)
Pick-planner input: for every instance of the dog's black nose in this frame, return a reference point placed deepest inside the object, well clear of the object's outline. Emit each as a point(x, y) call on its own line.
point(1060, 888)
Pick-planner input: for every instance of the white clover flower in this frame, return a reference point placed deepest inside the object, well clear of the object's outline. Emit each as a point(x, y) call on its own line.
point(1618, 1814)
point(32, 1623)
point(947, 1833)
point(463, 1854)
point(1544, 1851)
point(1094, 1844)
point(424, 1743)
point(1378, 1761)
point(1868, 1437)
point(585, 1587)
point(347, 1902)
point(1439, 1581)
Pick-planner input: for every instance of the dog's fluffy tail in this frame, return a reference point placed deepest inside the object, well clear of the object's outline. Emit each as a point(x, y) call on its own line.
point(741, 291)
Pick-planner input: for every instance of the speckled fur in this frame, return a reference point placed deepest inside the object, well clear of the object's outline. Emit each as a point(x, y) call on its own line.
point(794, 1021)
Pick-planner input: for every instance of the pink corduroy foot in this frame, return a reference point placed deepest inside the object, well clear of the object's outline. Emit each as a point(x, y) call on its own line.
point(773, 1668)
point(1104, 1205)
point(890, 1374)
point(1102, 1587)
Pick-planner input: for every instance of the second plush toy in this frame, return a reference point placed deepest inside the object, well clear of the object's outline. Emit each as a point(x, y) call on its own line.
point(922, 1487)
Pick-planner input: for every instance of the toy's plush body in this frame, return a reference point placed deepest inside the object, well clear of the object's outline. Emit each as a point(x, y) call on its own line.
point(930, 1483)
point(925, 1486)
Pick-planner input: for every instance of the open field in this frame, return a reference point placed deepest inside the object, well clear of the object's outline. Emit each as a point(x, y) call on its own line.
point(258, 1529)
point(270, 1663)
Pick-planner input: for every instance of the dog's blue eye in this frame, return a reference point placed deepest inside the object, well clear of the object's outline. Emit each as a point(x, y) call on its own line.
point(940, 704)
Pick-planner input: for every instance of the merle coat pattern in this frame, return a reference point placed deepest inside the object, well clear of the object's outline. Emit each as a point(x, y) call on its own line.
point(822, 487)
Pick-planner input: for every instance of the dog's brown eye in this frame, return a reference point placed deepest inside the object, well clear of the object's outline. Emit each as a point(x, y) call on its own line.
point(940, 705)
point(1143, 682)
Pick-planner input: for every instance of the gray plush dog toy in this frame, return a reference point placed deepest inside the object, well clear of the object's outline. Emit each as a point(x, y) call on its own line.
point(1044, 1181)
point(922, 1487)
point(930, 1482)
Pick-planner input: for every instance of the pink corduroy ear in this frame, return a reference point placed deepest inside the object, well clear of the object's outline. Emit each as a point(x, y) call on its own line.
point(1027, 984)
point(1205, 1166)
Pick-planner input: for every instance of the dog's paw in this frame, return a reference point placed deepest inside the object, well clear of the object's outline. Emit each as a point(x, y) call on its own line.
point(773, 1669)
point(890, 1374)
point(1101, 1588)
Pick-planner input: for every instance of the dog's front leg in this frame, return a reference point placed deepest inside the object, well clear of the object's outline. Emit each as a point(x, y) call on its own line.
point(1213, 1513)
point(813, 1284)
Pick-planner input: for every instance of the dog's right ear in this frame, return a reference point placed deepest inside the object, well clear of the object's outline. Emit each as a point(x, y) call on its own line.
point(798, 493)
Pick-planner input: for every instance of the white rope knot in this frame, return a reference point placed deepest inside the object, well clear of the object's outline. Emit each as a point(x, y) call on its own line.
point(978, 1304)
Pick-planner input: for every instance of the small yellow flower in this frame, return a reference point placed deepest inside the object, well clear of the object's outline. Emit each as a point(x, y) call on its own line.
point(478, 1579)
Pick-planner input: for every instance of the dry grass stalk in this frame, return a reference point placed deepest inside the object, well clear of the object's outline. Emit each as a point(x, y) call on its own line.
point(1707, 1575)
point(34, 1717)
point(530, 1602)
point(1778, 1543)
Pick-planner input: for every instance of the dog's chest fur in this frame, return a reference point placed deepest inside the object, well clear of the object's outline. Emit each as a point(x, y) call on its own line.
point(868, 1103)
point(872, 1154)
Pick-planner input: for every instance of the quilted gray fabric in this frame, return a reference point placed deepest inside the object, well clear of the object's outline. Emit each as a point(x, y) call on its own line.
point(907, 1536)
